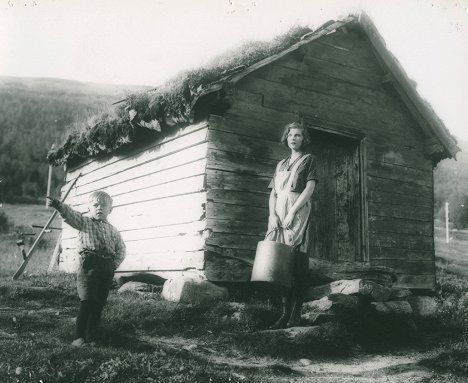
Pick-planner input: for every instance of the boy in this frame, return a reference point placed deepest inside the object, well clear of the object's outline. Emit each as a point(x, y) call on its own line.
point(101, 251)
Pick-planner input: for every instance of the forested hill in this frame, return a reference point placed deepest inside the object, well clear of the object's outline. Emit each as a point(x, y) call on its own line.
point(451, 185)
point(34, 114)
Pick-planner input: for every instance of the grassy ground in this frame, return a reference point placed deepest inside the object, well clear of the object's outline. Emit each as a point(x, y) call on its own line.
point(147, 339)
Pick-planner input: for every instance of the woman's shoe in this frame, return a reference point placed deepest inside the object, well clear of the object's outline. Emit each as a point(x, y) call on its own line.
point(295, 318)
point(280, 323)
point(285, 315)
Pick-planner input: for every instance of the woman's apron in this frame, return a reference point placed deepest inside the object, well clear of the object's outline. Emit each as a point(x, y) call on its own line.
point(285, 199)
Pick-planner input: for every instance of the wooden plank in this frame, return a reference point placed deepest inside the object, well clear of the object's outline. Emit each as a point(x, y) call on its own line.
point(398, 186)
point(246, 111)
point(353, 41)
point(227, 180)
point(351, 117)
point(389, 197)
point(323, 85)
point(134, 234)
point(171, 210)
point(234, 241)
point(247, 127)
point(378, 252)
point(290, 98)
point(156, 261)
point(191, 161)
point(254, 148)
point(403, 266)
point(122, 196)
point(97, 170)
point(178, 230)
point(216, 210)
point(332, 54)
point(400, 225)
point(179, 243)
point(240, 198)
point(399, 155)
point(417, 213)
point(236, 227)
point(161, 261)
point(134, 149)
point(400, 173)
point(240, 163)
point(387, 134)
point(333, 71)
point(401, 241)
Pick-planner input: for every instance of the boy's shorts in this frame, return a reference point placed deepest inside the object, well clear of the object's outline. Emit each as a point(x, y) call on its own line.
point(94, 278)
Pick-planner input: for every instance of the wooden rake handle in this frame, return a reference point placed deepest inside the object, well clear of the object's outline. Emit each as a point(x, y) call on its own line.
point(41, 234)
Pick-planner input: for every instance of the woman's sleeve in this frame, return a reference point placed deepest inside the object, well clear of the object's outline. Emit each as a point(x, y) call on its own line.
point(312, 173)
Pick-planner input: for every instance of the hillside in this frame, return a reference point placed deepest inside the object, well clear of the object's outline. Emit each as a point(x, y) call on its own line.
point(451, 185)
point(34, 114)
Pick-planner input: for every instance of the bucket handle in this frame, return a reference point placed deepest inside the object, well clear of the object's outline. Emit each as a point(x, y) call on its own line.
point(275, 229)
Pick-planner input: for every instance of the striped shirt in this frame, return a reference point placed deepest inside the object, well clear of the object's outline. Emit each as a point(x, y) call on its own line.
point(95, 237)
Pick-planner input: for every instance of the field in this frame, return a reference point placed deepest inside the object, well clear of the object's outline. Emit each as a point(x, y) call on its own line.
point(147, 339)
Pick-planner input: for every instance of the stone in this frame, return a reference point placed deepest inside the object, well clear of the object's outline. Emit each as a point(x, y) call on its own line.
point(402, 308)
point(193, 290)
point(305, 362)
point(190, 347)
point(321, 305)
point(423, 306)
point(316, 318)
point(348, 287)
point(400, 294)
point(350, 302)
point(136, 287)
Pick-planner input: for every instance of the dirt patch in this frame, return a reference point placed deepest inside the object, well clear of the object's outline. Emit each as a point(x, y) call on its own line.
point(360, 368)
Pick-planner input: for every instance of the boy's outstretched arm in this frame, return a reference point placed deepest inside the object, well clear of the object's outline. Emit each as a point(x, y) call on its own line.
point(70, 216)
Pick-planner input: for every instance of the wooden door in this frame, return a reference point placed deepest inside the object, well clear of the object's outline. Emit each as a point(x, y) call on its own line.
point(335, 222)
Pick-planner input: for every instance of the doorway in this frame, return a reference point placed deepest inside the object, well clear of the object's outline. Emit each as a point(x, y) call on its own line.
point(336, 221)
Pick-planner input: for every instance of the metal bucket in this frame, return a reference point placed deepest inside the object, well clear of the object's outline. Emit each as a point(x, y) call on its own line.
point(273, 263)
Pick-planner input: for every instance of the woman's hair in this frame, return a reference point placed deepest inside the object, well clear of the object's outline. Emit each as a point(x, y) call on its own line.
point(295, 125)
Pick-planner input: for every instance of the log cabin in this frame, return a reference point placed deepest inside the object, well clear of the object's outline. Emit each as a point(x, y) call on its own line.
point(190, 195)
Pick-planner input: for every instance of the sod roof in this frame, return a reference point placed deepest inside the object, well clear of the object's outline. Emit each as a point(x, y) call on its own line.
point(161, 108)
point(155, 111)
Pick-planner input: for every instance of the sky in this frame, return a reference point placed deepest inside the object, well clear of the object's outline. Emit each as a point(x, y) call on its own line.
point(146, 42)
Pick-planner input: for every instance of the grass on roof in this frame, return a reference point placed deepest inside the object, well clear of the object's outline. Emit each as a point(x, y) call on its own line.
point(163, 107)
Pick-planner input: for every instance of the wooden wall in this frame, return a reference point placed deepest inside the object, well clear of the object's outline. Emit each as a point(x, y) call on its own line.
point(335, 82)
point(159, 201)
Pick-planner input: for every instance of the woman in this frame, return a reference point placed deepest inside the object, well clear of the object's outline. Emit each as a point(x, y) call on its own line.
point(291, 190)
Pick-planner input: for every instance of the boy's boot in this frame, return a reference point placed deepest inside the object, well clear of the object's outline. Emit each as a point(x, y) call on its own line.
point(81, 323)
point(286, 312)
point(94, 321)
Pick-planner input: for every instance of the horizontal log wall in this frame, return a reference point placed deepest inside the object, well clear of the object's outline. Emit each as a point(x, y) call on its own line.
point(240, 163)
point(335, 81)
point(159, 201)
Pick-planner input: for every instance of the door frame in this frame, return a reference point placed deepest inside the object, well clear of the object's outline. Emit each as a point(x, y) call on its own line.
point(360, 139)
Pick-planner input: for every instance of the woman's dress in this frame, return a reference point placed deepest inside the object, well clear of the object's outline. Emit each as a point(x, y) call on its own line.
point(288, 183)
